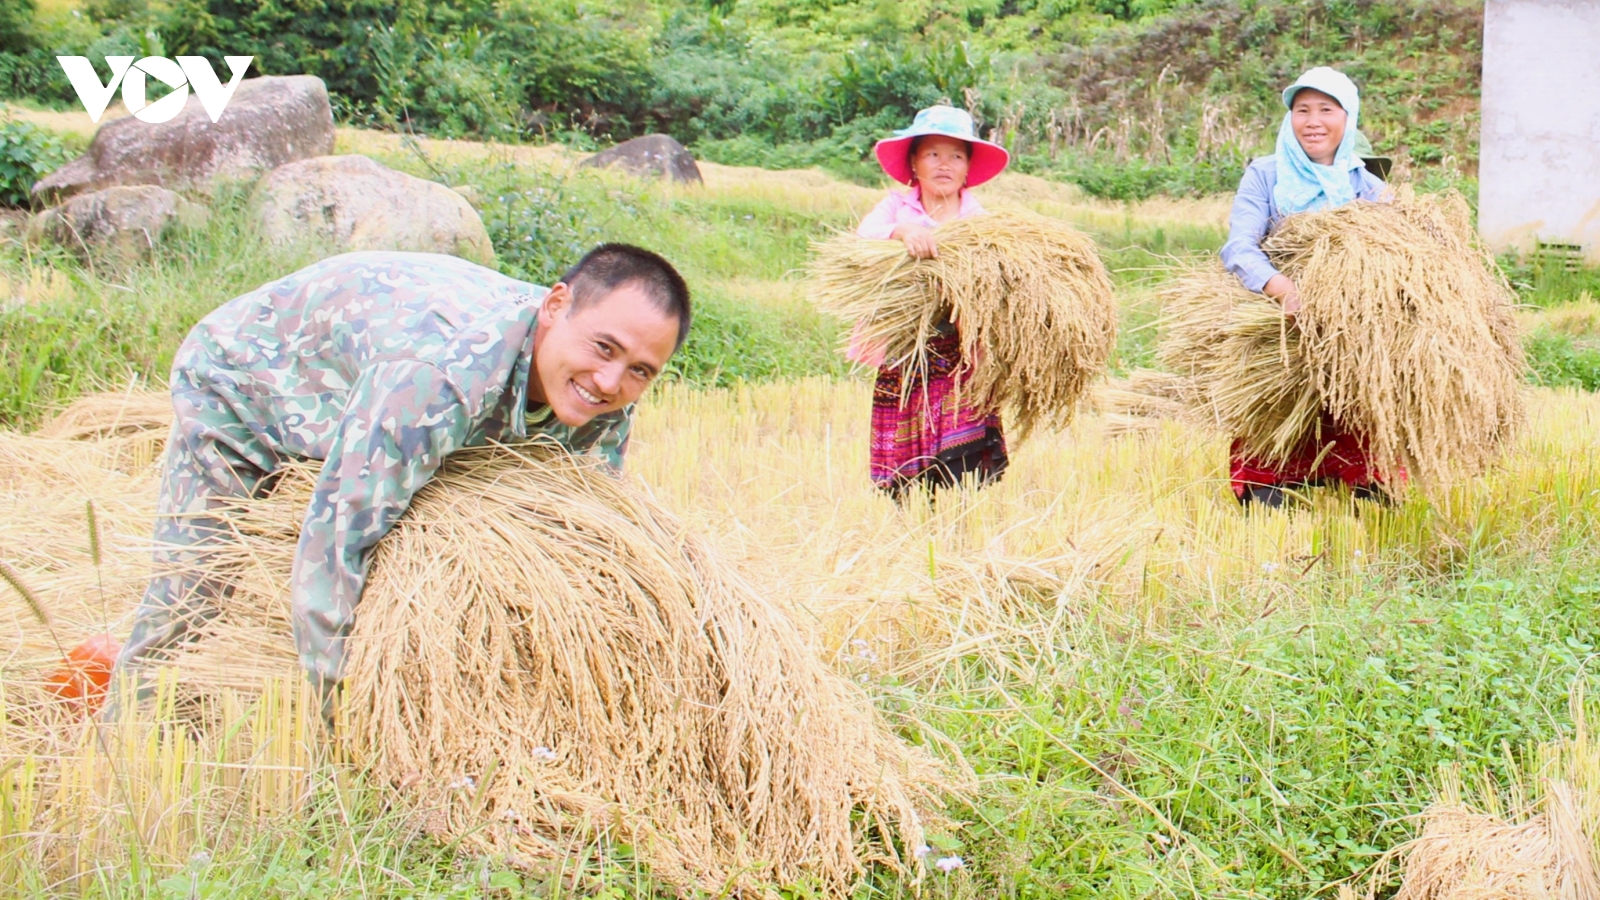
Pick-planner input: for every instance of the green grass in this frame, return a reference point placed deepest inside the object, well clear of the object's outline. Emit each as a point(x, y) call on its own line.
point(1547, 286)
point(1282, 753)
point(1561, 360)
point(107, 322)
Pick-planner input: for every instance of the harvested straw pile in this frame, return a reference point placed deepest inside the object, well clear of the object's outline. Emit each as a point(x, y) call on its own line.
point(1406, 338)
point(1031, 298)
point(111, 414)
point(1538, 840)
point(1141, 401)
point(1243, 361)
point(543, 654)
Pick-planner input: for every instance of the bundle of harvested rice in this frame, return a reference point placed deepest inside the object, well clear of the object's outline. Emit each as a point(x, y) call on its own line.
point(542, 654)
point(63, 502)
point(1406, 338)
point(1139, 402)
point(111, 414)
point(1241, 360)
point(1030, 296)
point(1537, 838)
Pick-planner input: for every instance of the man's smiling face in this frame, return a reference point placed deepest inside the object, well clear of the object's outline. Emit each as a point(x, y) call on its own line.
point(602, 355)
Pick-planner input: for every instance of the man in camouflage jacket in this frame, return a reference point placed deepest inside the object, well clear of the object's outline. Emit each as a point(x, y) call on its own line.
point(381, 364)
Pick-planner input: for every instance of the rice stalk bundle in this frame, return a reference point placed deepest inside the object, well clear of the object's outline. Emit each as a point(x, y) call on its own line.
point(111, 414)
point(1029, 296)
point(1537, 838)
point(543, 654)
point(1406, 338)
point(1242, 361)
point(64, 503)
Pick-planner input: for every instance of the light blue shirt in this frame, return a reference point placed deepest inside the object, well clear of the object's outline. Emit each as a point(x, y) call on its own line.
point(1255, 213)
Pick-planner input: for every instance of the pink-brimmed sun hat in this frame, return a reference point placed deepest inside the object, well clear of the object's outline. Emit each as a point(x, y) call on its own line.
point(894, 154)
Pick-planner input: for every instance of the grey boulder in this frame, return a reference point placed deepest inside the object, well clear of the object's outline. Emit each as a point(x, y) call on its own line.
point(124, 220)
point(654, 155)
point(352, 203)
point(268, 122)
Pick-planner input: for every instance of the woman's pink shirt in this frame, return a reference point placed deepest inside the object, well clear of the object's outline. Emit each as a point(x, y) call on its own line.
point(905, 208)
point(899, 208)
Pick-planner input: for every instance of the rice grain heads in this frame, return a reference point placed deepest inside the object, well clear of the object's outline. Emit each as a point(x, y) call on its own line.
point(1536, 838)
point(1242, 362)
point(542, 654)
point(1406, 337)
point(1029, 295)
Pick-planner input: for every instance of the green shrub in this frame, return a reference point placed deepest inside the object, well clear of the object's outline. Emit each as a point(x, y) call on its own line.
point(28, 69)
point(1558, 360)
point(1137, 179)
point(16, 26)
point(570, 62)
point(539, 224)
point(327, 38)
point(1127, 97)
point(33, 74)
point(1545, 283)
point(27, 153)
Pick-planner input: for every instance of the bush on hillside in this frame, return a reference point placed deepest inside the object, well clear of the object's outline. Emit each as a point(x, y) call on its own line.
point(1127, 96)
point(16, 26)
point(1207, 78)
point(27, 154)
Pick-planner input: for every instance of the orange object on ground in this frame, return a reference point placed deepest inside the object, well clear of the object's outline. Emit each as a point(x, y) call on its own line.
point(83, 681)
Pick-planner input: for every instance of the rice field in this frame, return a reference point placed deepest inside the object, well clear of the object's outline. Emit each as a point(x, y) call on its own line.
point(1099, 639)
point(1138, 690)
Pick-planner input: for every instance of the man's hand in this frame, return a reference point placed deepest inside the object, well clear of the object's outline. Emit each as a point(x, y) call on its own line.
point(918, 240)
point(1282, 289)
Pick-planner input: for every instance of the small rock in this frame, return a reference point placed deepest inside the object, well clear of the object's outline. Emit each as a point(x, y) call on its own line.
point(125, 220)
point(268, 122)
point(353, 203)
point(654, 155)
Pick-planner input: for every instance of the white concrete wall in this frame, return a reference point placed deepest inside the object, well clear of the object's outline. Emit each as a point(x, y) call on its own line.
point(1539, 156)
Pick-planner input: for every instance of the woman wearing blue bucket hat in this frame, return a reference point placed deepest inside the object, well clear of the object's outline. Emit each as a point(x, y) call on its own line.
point(932, 437)
point(1317, 166)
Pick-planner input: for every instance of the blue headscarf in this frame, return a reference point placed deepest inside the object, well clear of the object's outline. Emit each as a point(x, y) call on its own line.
point(1302, 184)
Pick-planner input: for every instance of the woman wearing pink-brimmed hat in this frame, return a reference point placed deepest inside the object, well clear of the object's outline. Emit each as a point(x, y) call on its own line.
point(931, 438)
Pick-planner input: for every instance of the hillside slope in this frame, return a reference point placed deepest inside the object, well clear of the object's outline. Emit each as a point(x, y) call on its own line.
point(1203, 82)
point(1127, 98)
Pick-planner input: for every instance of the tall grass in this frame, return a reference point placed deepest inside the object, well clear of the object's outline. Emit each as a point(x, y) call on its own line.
point(67, 325)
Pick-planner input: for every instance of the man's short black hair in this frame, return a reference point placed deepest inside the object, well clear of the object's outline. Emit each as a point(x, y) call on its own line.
point(610, 266)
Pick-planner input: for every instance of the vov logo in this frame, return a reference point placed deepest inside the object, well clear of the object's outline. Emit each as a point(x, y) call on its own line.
point(187, 72)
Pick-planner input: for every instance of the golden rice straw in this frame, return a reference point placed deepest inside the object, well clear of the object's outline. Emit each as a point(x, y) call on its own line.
point(1406, 338)
point(542, 653)
point(1030, 296)
point(1538, 839)
point(1139, 402)
point(111, 414)
point(1242, 362)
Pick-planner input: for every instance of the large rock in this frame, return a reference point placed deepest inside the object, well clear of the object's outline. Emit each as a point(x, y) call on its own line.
point(654, 155)
point(353, 203)
point(127, 220)
point(270, 121)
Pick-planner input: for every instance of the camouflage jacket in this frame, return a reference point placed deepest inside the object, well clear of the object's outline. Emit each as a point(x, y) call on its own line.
point(380, 364)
